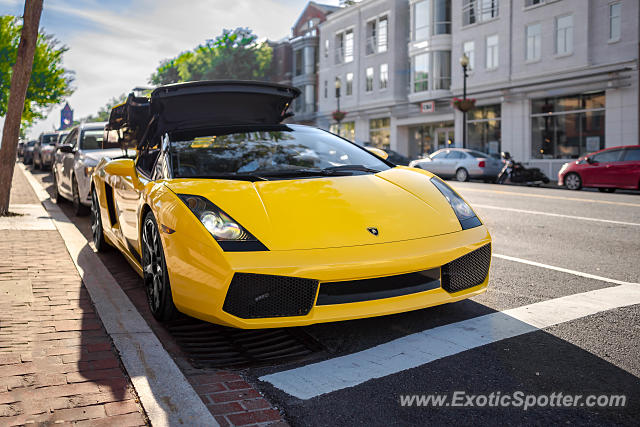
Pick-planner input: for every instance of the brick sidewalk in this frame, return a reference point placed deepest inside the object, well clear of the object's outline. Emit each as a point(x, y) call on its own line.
point(57, 364)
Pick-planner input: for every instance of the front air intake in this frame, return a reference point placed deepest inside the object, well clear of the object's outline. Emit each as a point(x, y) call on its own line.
point(254, 296)
point(467, 271)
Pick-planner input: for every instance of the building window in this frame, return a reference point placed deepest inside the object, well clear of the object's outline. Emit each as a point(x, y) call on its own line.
point(442, 17)
point(534, 42)
point(298, 59)
point(421, 20)
point(492, 52)
point(309, 59)
point(421, 72)
point(483, 129)
point(528, 3)
point(310, 98)
point(615, 17)
point(383, 31)
point(349, 88)
point(469, 48)
point(567, 127)
point(326, 89)
point(326, 48)
point(441, 70)
point(371, 37)
point(379, 133)
point(346, 130)
point(344, 47)
point(564, 35)
point(369, 79)
point(384, 76)
point(478, 11)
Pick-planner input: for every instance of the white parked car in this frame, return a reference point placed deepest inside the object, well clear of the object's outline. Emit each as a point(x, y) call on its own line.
point(75, 160)
point(460, 163)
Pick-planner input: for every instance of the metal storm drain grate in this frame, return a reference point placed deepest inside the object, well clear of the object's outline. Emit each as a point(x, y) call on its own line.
point(214, 346)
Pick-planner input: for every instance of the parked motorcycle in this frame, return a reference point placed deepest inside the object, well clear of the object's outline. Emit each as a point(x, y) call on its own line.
point(517, 173)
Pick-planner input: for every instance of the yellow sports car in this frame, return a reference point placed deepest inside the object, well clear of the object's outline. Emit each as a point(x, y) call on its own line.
point(233, 217)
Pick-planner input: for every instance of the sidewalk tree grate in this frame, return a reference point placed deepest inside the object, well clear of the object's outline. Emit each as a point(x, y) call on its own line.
point(207, 345)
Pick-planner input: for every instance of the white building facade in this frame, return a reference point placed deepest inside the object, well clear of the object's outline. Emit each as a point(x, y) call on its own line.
point(552, 79)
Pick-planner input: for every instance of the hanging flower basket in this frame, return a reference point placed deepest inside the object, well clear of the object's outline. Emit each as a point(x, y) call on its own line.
point(464, 105)
point(338, 115)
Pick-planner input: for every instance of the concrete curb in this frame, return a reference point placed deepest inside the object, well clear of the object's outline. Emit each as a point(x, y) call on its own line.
point(165, 394)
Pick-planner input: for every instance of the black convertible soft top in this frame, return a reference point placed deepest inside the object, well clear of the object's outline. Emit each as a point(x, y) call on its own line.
point(191, 105)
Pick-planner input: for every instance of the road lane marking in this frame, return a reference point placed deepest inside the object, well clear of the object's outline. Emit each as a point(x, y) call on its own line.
point(414, 350)
point(582, 218)
point(565, 270)
point(545, 196)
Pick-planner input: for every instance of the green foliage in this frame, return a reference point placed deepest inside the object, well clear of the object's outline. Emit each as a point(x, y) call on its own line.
point(233, 55)
point(50, 83)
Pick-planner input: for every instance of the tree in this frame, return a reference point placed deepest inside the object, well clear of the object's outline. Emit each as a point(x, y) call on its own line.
point(20, 78)
point(50, 83)
point(234, 55)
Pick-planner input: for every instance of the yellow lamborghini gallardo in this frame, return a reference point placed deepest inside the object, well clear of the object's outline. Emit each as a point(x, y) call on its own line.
point(233, 217)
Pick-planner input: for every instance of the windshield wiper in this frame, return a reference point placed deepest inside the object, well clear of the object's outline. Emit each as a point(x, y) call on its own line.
point(231, 175)
point(346, 168)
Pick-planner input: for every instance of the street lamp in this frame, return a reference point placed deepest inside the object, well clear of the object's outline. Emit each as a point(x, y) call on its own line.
point(464, 61)
point(338, 86)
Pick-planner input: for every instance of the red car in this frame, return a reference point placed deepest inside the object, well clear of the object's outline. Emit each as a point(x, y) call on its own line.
point(608, 169)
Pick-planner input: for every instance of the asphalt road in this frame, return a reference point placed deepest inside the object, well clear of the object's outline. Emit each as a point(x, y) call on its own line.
point(583, 232)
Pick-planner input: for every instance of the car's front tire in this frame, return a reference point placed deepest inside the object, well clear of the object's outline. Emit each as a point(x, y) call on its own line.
point(78, 208)
point(96, 224)
point(55, 194)
point(573, 181)
point(154, 267)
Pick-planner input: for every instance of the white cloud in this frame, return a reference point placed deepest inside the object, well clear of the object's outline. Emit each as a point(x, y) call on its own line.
point(118, 50)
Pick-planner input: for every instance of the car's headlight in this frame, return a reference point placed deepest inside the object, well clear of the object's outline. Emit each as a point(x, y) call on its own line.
point(228, 233)
point(463, 211)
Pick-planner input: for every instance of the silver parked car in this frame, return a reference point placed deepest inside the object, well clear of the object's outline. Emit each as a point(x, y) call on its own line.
point(461, 163)
point(74, 162)
point(27, 153)
point(44, 150)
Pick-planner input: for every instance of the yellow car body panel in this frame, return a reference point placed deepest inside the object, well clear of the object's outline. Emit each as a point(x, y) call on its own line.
point(314, 228)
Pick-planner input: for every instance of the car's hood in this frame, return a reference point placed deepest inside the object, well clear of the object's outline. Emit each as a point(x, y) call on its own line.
point(331, 212)
point(94, 156)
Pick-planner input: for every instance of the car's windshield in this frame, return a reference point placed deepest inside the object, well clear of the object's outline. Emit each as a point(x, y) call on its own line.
point(278, 150)
point(31, 143)
point(49, 139)
point(92, 140)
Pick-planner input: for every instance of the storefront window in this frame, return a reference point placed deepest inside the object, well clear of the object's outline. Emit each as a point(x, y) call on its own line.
point(483, 129)
point(346, 130)
point(380, 133)
point(425, 139)
point(567, 127)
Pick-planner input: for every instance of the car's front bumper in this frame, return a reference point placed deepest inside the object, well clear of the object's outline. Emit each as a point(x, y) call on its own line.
point(200, 284)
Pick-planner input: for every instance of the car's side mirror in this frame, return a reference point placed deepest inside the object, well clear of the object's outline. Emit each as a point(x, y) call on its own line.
point(66, 148)
point(590, 160)
point(378, 152)
point(121, 167)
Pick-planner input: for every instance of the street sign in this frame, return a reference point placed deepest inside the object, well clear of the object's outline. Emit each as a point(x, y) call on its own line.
point(428, 107)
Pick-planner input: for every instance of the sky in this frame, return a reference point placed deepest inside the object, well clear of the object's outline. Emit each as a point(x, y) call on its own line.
point(116, 45)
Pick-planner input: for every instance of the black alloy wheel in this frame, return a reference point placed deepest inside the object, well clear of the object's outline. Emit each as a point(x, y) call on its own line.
point(96, 224)
point(154, 267)
point(78, 208)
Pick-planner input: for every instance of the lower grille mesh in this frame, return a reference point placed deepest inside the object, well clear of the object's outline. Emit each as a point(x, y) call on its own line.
point(467, 271)
point(253, 296)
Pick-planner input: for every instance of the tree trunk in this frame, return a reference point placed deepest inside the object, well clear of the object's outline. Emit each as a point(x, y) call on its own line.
point(19, 82)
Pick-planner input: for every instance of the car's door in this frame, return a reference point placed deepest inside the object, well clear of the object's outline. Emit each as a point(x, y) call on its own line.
point(602, 169)
point(129, 197)
point(437, 162)
point(628, 169)
point(66, 162)
point(452, 162)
